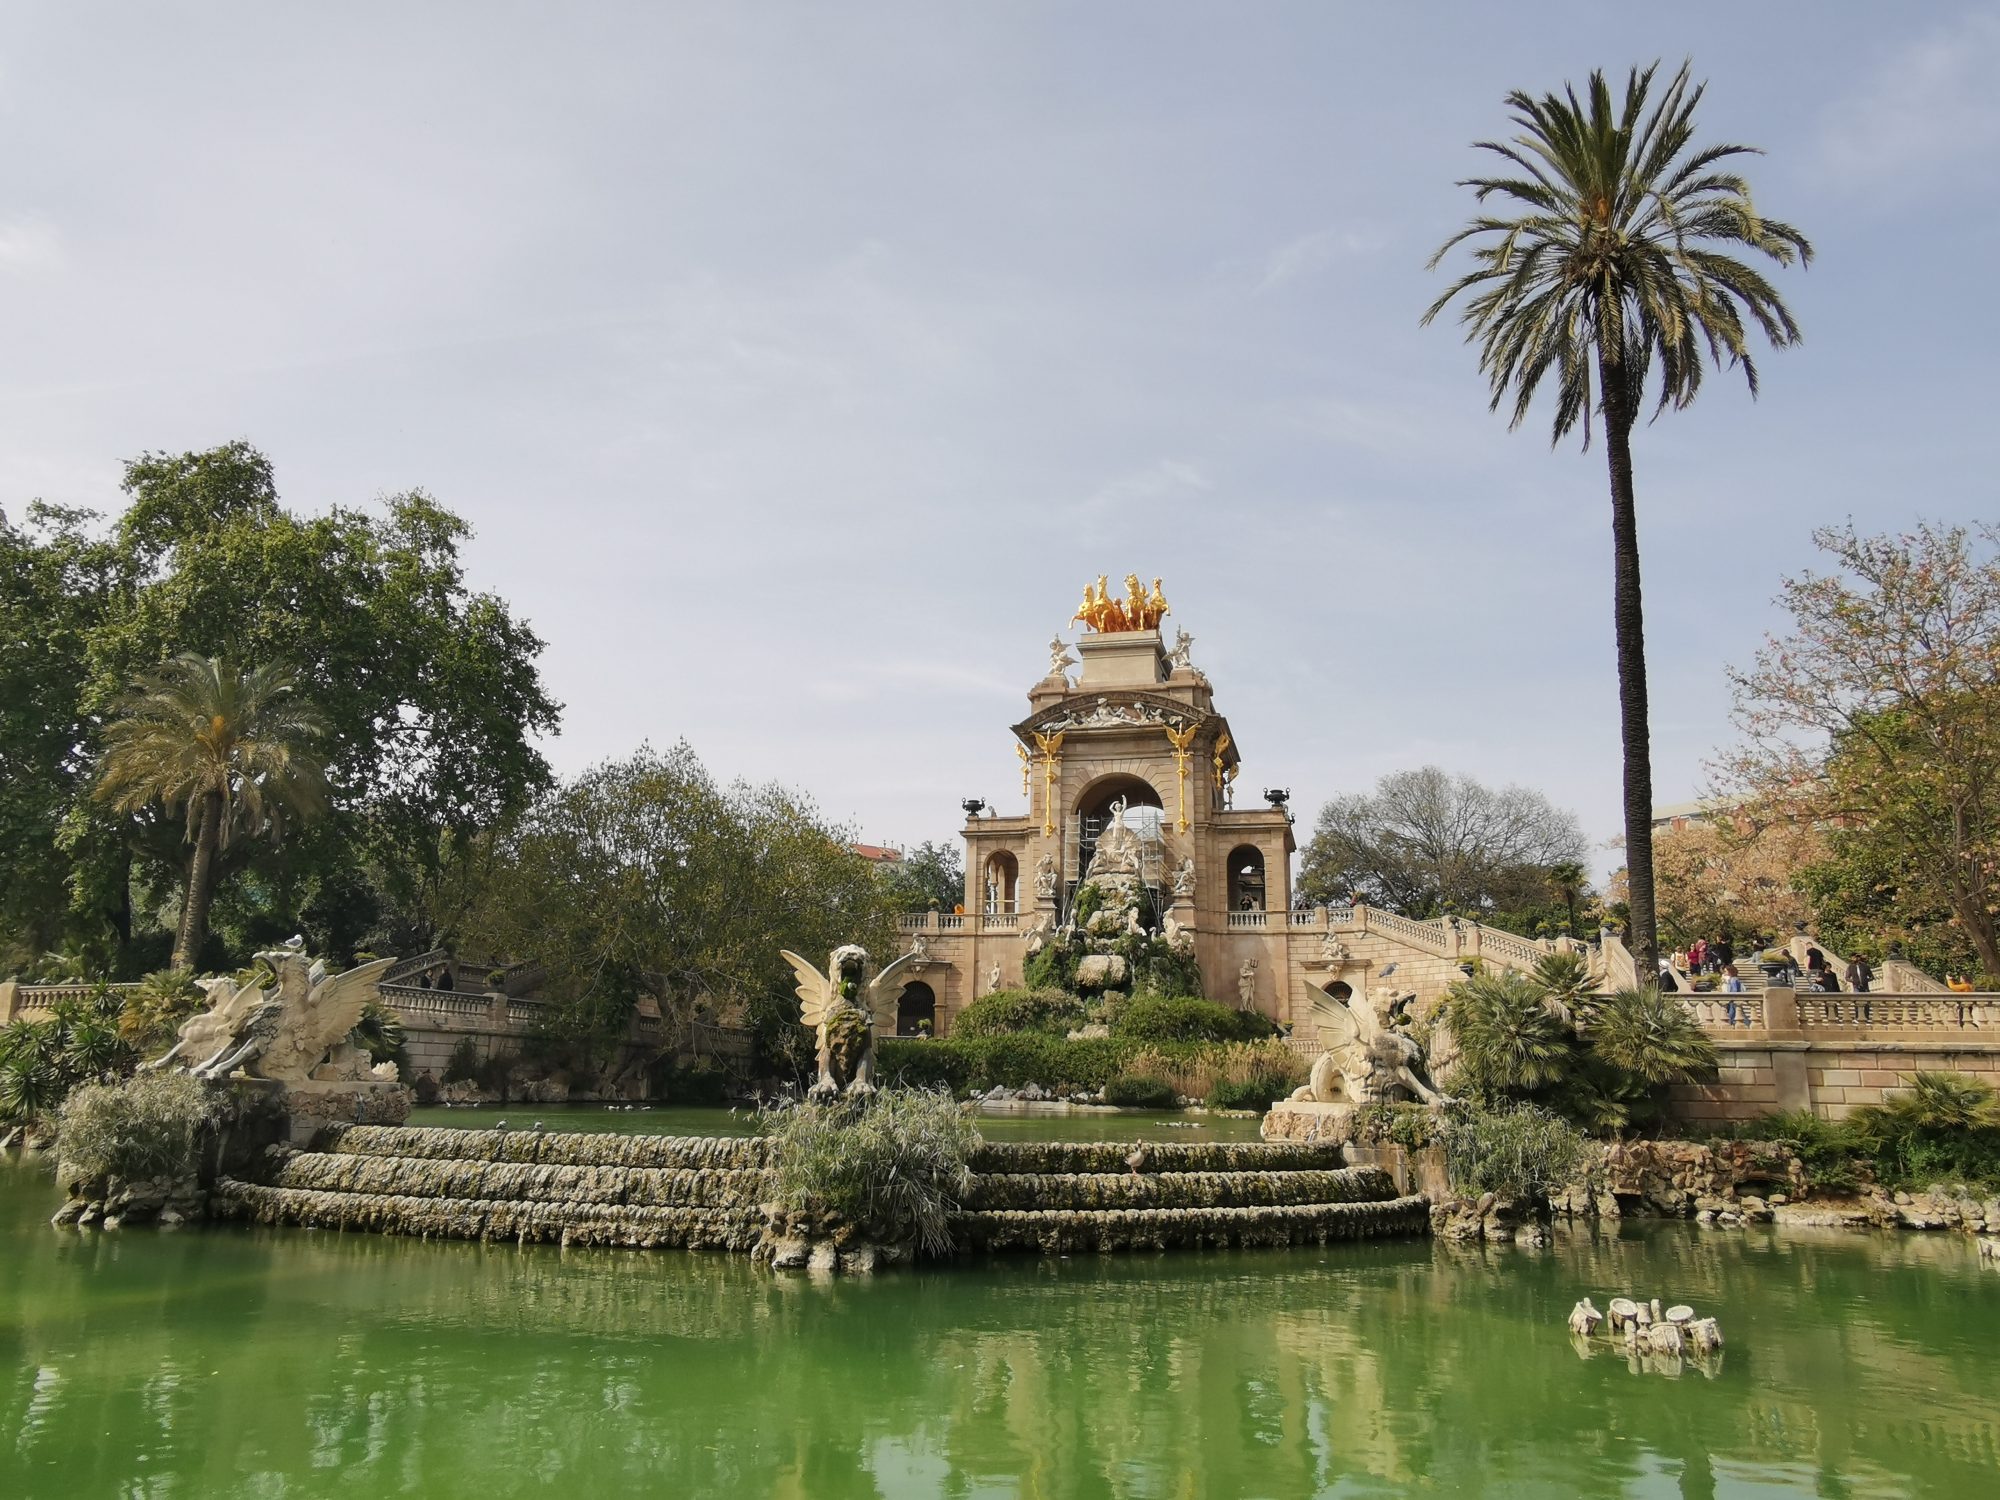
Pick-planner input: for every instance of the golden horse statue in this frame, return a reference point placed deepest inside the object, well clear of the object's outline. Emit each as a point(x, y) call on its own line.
point(1107, 615)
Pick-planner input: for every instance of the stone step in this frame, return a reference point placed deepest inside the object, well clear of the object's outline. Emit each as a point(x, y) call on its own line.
point(1103, 1190)
point(551, 1148)
point(1071, 1157)
point(511, 1181)
point(628, 1225)
point(1060, 1231)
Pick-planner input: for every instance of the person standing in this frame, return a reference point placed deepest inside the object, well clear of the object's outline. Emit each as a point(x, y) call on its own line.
point(1724, 953)
point(1732, 986)
point(1697, 955)
point(1859, 974)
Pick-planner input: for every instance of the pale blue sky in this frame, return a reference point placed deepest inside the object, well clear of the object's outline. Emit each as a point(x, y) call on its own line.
point(797, 364)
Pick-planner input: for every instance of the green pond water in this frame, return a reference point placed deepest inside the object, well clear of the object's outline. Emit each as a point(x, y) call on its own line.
point(235, 1361)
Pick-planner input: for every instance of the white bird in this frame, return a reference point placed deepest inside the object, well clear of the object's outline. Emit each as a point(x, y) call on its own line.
point(499, 1124)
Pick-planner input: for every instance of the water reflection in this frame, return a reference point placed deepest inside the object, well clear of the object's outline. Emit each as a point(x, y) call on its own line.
point(289, 1362)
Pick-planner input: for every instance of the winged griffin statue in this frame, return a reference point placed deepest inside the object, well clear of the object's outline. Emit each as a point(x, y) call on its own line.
point(295, 1029)
point(844, 1006)
point(1367, 1059)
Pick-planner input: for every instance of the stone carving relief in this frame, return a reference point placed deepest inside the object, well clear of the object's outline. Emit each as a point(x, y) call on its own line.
point(1045, 876)
point(1368, 1056)
point(293, 1032)
point(1104, 714)
point(1184, 880)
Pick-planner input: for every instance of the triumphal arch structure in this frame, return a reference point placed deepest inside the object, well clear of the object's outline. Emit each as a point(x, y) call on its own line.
point(1126, 731)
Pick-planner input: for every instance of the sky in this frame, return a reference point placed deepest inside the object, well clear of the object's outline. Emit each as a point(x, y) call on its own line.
point(796, 365)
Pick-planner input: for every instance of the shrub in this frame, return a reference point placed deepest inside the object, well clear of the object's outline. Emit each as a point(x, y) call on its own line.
point(1258, 1092)
point(147, 1126)
point(1652, 1036)
point(151, 1016)
point(894, 1169)
point(1187, 1018)
point(1509, 1037)
point(1519, 1152)
point(1007, 1011)
point(379, 1033)
point(1197, 1070)
point(1943, 1128)
point(1141, 1091)
point(463, 1064)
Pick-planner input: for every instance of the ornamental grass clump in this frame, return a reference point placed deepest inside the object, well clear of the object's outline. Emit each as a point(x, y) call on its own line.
point(892, 1170)
point(148, 1126)
point(1521, 1152)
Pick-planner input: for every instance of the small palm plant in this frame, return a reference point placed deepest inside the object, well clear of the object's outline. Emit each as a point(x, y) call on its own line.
point(230, 748)
point(1510, 1040)
point(1651, 1037)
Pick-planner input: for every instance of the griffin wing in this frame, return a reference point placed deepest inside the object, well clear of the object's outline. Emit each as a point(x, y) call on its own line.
point(812, 988)
point(1337, 1024)
point(337, 1004)
point(886, 990)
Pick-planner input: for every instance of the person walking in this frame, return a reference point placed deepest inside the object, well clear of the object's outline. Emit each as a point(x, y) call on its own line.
point(1698, 956)
point(1723, 953)
point(1859, 974)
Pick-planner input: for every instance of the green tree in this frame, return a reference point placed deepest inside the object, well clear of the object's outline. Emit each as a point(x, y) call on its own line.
point(1877, 717)
point(233, 750)
point(54, 580)
point(928, 875)
point(644, 876)
point(430, 693)
point(1606, 276)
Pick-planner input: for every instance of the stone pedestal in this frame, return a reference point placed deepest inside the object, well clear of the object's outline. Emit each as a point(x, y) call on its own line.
point(1304, 1121)
point(311, 1106)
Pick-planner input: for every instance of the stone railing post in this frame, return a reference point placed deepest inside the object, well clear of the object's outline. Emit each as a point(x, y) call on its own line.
point(496, 1011)
point(1789, 1077)
point(9, 991)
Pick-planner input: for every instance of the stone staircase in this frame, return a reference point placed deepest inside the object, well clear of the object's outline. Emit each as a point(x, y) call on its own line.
point(704, 1193)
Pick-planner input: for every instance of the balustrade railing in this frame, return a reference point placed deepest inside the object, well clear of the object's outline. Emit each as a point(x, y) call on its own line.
point(1720, 1012)
point(1432, 935)
point(1250, 919)
point(1495, 943)
point(1881, 1012)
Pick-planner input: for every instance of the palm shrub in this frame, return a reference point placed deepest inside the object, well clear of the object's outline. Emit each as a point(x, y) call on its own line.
point(42, 1061)
point(148, 1126)
point(1651, 1036)
point(1944, 1127)
point(1510, 1039)
point(893, 1170)
point(152, 1014)
point(380, 1034)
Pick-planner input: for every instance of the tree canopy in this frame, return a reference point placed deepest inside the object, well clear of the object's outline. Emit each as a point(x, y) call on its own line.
point(1425, 842)
point(430, 693)
point(1877, 717)
point(645, 876)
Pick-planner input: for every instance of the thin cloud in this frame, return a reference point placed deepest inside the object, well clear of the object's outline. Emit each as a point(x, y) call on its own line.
point(30, 245)
point(1930, 106)
point(1312, 253)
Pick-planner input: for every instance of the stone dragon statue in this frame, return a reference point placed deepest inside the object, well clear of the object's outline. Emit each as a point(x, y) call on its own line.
point(1368, 1059)
point(844, 1005)
point(288, 1033)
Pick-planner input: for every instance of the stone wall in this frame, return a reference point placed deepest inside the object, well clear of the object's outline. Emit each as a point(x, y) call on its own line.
point(1834, 1053)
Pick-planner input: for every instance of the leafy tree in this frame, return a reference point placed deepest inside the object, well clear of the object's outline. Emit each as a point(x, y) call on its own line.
point(233, 750)
point(54, 579)
point(430, 694)
point(646, 877)
point(1733, 875)
point(1605, 273)
point(1877, 717)
point(929, 875)
point(1424, 842)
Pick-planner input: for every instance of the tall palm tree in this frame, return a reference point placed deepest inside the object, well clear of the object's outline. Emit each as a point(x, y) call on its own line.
point(1605, 272)
point(233, 749)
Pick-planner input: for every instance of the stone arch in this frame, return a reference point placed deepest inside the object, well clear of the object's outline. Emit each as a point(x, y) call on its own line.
point(1093, 808)
point(916, 1010)
point(1246, 878)
point(1339, 989)
point(1000, 884)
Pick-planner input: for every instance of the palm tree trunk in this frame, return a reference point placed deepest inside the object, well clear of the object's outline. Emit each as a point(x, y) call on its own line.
point(1629, 625)
point(201, 879)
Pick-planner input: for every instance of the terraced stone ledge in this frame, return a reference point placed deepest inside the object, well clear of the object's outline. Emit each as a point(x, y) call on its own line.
point(707, 1193)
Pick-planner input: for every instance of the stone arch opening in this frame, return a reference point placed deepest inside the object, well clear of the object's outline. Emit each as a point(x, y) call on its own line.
point(1341, 990)
point(1246, 878)
point(1093, 812)
point(916, 1010)
point(1001, 889)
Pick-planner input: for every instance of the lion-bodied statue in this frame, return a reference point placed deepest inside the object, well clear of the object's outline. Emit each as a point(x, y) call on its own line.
point(1367, 1059)
point(844, 1006)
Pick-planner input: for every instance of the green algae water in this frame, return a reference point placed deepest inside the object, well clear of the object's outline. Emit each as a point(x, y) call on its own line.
point(230, 1361)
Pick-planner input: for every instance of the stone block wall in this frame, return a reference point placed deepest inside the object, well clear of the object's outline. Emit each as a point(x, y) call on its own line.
point(1831, 1078)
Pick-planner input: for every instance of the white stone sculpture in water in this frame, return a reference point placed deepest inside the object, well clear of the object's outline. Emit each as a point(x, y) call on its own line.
point(1368, 1059)
point(286, 1033)
point(844, 1006)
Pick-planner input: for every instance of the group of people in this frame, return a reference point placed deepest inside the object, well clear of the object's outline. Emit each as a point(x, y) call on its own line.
point(1719, 958)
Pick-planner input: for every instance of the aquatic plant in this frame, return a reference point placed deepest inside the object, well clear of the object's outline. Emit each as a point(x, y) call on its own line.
point(893, 1170)
point(1519, 1152)
point(1141, 1091)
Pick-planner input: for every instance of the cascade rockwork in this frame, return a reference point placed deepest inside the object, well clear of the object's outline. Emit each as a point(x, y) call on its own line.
point(706, 1193)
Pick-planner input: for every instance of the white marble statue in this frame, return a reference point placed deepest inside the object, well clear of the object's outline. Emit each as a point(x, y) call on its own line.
point(1060, 661)
point(292, 1033)
point(844, 1006)
point(993, 979)
point(1367, 1057)
point(1045, 875)
point(1246, 985)
point(1184, 880)
point(1183, 644)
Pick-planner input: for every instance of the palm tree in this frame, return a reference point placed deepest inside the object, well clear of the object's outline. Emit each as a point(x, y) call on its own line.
point(1605, 273)
point(232, 749)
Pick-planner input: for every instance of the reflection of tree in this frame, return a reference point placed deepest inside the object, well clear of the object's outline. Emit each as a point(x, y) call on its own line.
point(494, 1369)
